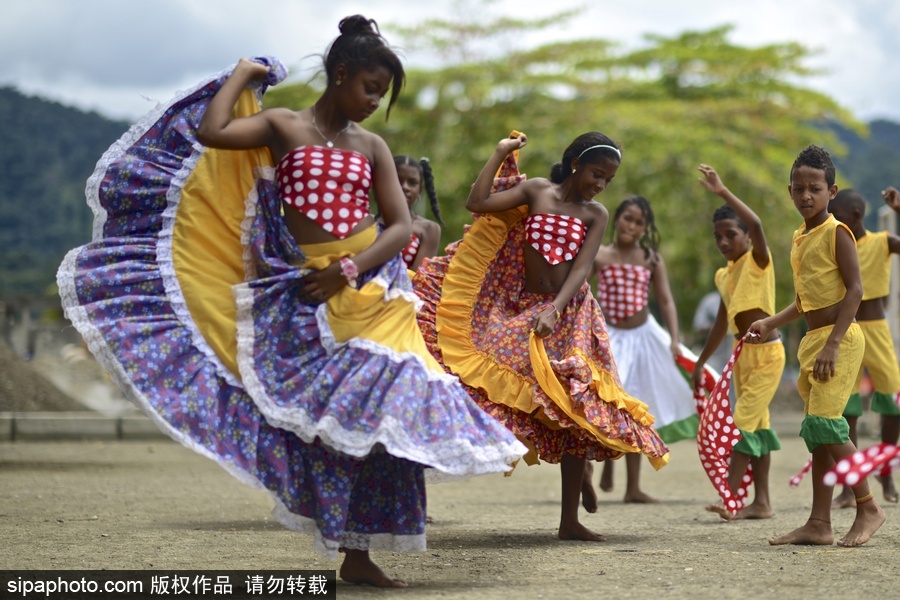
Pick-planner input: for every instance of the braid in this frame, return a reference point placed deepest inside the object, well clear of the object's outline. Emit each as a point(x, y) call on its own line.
point(428, 182)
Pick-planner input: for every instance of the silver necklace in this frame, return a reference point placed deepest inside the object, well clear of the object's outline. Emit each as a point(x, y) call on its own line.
point(329, 143)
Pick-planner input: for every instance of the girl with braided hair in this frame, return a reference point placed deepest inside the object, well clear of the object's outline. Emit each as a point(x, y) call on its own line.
point(645, 353)
point(414, 175)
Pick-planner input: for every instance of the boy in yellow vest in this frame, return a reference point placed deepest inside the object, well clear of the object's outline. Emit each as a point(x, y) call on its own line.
point(828, 292)
point(747, 290)
point(874, 250)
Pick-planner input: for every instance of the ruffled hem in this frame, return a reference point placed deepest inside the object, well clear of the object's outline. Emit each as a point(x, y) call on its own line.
point(758, 443)
point(453, 286)
point(885, 404)
point(854, 406)
point(816, 431)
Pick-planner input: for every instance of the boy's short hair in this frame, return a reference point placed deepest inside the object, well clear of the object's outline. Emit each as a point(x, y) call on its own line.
point(815, 157)
point(726, 212)
point(850, 199)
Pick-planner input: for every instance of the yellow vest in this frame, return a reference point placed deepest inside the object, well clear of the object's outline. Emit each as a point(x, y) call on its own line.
point(744, 286)
point(874, 264)
point(817, 278)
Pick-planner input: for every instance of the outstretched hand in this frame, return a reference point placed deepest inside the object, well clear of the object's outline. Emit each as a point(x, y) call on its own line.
point(892, 198)
point(512, 143)
point(710, 179)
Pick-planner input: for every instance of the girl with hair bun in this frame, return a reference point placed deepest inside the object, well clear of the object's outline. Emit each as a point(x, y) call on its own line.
point(509, 310)
point(239, 290)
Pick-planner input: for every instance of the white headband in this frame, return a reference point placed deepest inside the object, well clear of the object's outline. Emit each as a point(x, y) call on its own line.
point(613, 148)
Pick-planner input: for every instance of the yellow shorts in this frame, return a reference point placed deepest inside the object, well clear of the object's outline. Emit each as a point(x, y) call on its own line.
point(879, 359)
point(757, 374)
point(824, 401)
point(827, 398)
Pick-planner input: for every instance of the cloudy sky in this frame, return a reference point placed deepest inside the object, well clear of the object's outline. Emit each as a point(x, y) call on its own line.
point(111, 55)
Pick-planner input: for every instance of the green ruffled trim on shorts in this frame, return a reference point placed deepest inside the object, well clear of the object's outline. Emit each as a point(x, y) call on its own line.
point(816, 431)
point(854, 406)
point(685, 429)
point(883, 404)
point(758, 443)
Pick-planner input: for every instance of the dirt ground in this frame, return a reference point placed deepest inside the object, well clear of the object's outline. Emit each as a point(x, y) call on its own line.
point(152, 504)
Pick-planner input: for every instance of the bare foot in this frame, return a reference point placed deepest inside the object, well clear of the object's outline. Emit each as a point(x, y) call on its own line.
point(813, 533)
point(588, 495)
point(606, 476)
point(720, 510)
point(887, 486)
point(869, 517)
point(755, 511)
point(358, 568)
point(428, 519)
point(577, 531)
point(639, 497)
point(845, 499)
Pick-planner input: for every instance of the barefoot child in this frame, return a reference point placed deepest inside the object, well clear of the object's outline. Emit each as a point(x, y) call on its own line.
point(828, 292)
point(747, 290)
point(643, 350)
point(874, 250)
point(509, 310)
point(242, 295)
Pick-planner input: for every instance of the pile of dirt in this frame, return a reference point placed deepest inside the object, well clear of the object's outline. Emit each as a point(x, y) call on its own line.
point(24, 388)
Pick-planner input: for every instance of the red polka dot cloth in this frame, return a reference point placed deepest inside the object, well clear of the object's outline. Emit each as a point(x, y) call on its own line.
point(850, 470)
point(412, 249)
point(856, 467)
point(717, 436)
point(622, 290)
point(557, 237)
point(328, 185)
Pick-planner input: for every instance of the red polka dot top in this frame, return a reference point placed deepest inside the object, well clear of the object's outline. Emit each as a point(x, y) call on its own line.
point(557, 237)
point(622, 290)
point(328, 185)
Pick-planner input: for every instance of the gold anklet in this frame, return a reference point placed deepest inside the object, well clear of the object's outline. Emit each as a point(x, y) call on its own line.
point(867, 498)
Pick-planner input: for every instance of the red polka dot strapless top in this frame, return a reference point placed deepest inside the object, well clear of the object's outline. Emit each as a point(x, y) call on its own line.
point(412, 249)
point(622, 290)
point(557, 237)
point(328, 185)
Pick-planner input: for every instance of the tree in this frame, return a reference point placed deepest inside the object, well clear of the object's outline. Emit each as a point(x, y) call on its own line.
point(679, 101)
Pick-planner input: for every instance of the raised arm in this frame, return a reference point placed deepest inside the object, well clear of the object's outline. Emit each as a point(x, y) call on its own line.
point(218, 129)
point(892, 199)
point(480, 198)
point(713, 183)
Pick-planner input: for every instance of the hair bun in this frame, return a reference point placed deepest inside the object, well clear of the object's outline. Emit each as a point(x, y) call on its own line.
point(358, 25)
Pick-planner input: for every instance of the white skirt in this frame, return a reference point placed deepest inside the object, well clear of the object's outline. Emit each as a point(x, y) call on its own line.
point(649, 373)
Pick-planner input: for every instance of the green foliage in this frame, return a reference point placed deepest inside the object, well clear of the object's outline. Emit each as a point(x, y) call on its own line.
point(47, 152)
point(672, 104)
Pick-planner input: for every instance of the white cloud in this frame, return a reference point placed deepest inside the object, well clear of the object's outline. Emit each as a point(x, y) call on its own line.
point(103, 54)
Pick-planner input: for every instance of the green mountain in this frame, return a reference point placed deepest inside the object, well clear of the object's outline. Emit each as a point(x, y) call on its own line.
point(47, 153)
point(872, 163)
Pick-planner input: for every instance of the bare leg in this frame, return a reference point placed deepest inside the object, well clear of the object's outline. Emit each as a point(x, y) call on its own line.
point(606, 475)
point(570, 528)
point(633, 492)
point(846, 499)
point(817, 529)
point(588, 495)
point(869, 516)
point(890, 432)
point(761, 507)
point(736, 470)
point(359, 568)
